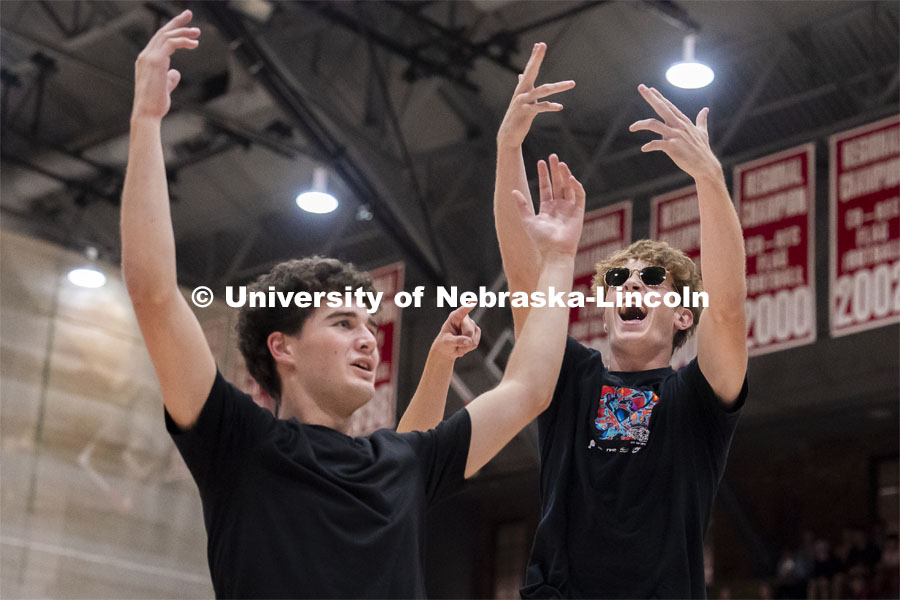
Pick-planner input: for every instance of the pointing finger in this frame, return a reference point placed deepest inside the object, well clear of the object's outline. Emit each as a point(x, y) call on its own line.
point(458, 316)
point(533, 67)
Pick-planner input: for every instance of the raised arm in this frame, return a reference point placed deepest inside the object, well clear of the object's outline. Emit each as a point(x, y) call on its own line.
point(527, 385)
point(722, 331)
point(458, 336)
point(181, 357)
point(521, 259)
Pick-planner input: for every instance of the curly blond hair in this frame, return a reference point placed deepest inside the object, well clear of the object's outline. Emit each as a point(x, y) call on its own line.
point(681, 268)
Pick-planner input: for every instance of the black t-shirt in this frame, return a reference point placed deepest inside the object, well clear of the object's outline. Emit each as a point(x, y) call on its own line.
point(304, 511)
point(630, 463)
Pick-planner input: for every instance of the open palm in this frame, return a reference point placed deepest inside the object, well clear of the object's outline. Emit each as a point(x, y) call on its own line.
point(557, 226)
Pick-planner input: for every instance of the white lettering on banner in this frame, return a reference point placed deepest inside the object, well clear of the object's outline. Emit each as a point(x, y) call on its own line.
point(687, 237)
point(760, 282)
point(870, 148)
point(870, 179)
point(863, 257)
point(678, 212)
point(867, 293)
point(600, 230)
point(779, 316)
point(773, 260)
point(775, 177)
point(773, 208)
point(585, 261)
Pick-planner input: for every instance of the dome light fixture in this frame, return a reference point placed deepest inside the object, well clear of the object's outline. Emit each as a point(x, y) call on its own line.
point(88, 276)
point(688, 74)
point(317, 200)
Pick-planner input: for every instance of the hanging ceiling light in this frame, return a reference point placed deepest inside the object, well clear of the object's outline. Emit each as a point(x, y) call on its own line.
point(689, 74)
point(87, 276)
point(318, 200)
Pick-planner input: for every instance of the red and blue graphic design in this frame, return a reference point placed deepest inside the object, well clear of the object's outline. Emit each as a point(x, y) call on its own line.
point(624, 414)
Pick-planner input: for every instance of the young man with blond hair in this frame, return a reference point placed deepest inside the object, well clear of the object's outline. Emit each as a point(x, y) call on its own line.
point(631, 451)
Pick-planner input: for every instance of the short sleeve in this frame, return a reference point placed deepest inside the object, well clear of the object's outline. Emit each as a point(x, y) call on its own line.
point(228, 423)
point(443, 452)
point(575, 354)
point(697, 380)
point(715, 422)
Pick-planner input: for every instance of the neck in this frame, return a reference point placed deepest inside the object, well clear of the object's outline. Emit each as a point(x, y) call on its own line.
point(632, 359)
point(298, 403)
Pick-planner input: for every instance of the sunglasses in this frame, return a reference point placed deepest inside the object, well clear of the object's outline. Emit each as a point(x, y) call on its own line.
point(649, 275)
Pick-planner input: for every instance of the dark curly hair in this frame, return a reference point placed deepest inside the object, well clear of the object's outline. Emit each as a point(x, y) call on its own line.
point(313, 274)
point(680, 267)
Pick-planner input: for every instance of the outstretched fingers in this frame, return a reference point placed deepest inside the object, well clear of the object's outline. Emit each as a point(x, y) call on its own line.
point(532, 68)
point(665, 109)
point(544, 184)
point(654, 146)
point(672, 108)
point(181, 42)
point(187, 32)
point(179, 20)
point(580, 195)
point(702, 118)
point(548, 89)
point(176, 24)
point(573, 190)
point(653, 125)
point(556, 174)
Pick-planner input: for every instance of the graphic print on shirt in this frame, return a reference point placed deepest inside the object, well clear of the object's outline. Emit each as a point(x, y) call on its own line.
point(623, 419)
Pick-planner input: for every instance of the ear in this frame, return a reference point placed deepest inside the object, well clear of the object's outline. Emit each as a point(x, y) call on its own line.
point(684, 318)
point(279, 347)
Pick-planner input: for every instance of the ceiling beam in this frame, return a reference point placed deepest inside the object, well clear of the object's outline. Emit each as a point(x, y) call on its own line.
point(278, 83)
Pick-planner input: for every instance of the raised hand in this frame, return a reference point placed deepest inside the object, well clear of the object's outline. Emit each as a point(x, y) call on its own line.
point(153, 79)
point(686, 143)
point(557, 227)
point(459, 335)
point(524, 106)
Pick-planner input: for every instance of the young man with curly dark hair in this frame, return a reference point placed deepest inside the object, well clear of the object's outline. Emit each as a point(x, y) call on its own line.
point(293, 506)
point(631, 451)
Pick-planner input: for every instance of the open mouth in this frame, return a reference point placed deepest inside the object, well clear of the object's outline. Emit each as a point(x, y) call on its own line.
point(632, 313)
point(362, 364)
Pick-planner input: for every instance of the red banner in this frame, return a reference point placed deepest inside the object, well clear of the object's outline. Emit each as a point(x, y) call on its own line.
point(864, 201)
point(605, 230)
point(381, 410)
point(775, 200)
point(675, 219)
